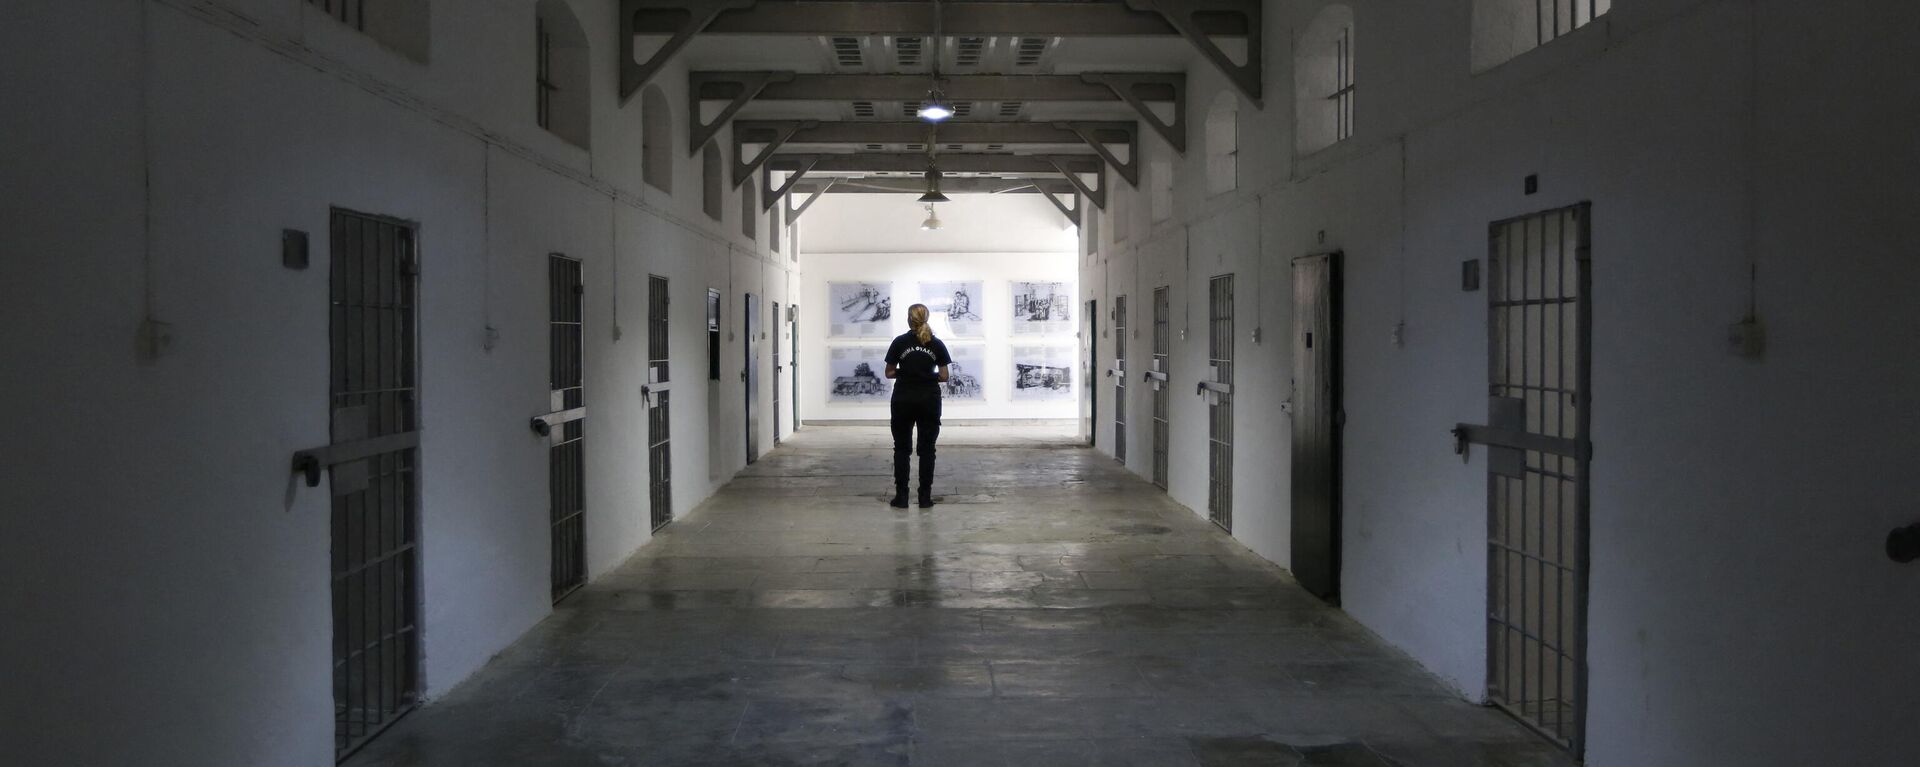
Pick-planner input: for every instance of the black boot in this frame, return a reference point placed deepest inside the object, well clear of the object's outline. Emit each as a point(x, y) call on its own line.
point(926, 481)
point(902, 463)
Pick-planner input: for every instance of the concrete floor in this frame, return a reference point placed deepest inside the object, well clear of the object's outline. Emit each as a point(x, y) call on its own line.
point(1054, 610)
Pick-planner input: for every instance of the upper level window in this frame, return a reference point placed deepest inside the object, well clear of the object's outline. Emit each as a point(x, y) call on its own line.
point(561, 90)
point(656, 139)
point(1503, 29)
point(1223, 144)
point(1324, 82)
point(398, 24)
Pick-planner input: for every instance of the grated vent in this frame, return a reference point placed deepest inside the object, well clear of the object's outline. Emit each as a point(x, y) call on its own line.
point(864, 109)
point(968, 50)
point(1029, 51)
point(909, 52)
point(846, 52)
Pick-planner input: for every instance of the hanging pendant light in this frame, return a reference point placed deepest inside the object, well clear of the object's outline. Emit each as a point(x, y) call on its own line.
point(933, 194)
point(935, 108)
point(933, 220)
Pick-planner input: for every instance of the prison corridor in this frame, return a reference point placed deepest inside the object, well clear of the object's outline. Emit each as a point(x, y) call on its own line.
point(1052, 609)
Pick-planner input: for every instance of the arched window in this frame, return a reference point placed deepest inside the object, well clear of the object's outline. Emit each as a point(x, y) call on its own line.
point(714, 198)
point(1323, 81)
point(1223, 144)
point(749, 210)
point(403, 25)
point(656, 139)
point(562, 84)
point(1503, 29)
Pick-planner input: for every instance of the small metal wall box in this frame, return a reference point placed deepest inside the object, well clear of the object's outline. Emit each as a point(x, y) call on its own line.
point(1470, 275)
point(293, 249)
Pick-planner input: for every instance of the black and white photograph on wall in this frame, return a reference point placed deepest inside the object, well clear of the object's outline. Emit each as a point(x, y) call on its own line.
point(861, 309)
point(1042, 308)
point(1042, 373)
point(858, 374)
point(956, 307)
point(965, 377)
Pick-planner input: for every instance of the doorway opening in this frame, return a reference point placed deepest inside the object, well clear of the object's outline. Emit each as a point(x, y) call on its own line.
point(658, 393)
point(374, 460)
point(566, 457)
point(1315, 407)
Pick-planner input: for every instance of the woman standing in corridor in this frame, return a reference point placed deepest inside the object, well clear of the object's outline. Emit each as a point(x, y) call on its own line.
point(917, 362)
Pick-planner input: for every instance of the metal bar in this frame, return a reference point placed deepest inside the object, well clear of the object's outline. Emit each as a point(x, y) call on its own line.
point(1215, 386)
point(957, 19)
point(562, 417)
point(333, 455)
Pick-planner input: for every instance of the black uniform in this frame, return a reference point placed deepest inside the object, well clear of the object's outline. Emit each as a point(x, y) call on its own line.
point(916, 403)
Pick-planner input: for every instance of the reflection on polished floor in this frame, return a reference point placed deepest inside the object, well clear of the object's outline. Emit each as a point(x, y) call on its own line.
point(1053, 610)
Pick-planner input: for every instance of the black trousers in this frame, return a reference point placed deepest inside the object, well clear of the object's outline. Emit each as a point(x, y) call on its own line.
point(914, 408)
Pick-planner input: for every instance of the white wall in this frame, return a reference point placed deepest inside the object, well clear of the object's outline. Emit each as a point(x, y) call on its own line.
point(996, 239)
point(175, 574)
point(1738, 587)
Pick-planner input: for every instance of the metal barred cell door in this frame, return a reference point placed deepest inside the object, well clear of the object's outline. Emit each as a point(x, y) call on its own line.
point(1119, 376)
point(1539, 330)
point(1158, 377)
point(1218, 390)
point(564, 427)
point(774, 387)
point(374, 461)
point(1089, 362)
point(750, 374)
point(658, 393)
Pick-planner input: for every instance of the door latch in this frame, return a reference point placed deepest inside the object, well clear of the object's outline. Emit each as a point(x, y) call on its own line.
point(1460, 441)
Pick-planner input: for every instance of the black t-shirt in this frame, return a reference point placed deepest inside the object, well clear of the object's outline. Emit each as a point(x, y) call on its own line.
point(919, 364)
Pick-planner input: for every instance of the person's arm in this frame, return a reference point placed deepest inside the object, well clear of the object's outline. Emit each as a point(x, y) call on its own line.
point(943, 374)
point(893, 371)
point(942, 359)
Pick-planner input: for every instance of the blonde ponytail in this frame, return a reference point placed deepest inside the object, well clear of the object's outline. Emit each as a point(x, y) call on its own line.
point(917, 322)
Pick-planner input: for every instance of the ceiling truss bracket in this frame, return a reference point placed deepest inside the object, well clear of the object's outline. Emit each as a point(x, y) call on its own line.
point(773, 134)
point(686, 17)
point(1072, 214)
point(1190, 18)
point(1101, 136)
point(1096, 193)
point(794, 214)
point(1139, 90)
point(770, 196)
point(736, 88)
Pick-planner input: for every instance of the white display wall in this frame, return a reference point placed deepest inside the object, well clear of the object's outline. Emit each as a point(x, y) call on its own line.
point(1010, 321)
